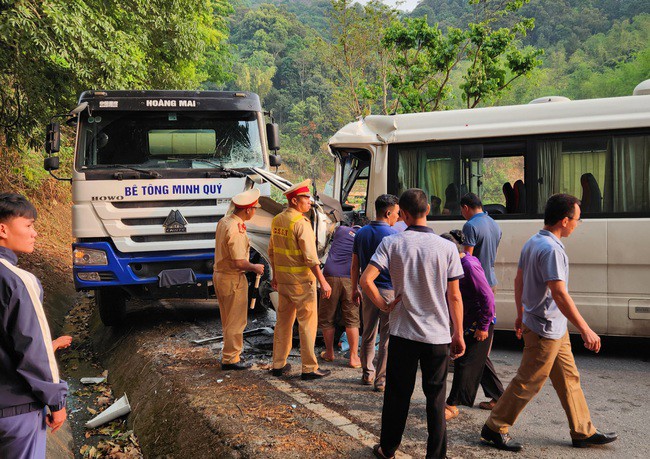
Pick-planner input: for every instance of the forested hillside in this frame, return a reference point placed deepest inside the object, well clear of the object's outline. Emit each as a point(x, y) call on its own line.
point(593, 48)
point(307, 59)
point(316, 64)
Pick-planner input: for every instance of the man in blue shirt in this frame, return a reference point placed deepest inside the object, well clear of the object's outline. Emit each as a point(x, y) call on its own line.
point(543, 308)
point(365, 244)
point(482, 237)
point(29, 376)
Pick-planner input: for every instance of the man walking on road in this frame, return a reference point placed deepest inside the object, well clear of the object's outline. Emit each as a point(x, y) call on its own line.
point(543, 308)
point(422, 267)
point(231, 260)
point(29, 376)
point(365, 244)
point(296, 267)
point(482, 237)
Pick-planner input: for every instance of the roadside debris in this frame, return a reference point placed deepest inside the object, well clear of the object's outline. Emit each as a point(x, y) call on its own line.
point(268, 331)
point(92, 380)
point(116, 442)
point(117, 409)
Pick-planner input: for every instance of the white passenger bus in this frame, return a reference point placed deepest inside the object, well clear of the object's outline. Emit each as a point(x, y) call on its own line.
point(514, 158)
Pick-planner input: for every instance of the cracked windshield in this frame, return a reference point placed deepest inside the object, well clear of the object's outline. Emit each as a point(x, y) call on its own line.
point(170, 140)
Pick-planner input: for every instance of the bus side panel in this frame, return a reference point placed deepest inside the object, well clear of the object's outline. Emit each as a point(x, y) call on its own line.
point(587, 251)
point(628, 280)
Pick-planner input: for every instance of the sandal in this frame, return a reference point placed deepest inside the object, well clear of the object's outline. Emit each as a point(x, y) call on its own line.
point(451, 412)
point(323, 355)
point(376, 450)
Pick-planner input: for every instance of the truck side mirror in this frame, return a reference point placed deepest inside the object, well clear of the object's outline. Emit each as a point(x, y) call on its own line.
point(53, 138)
point(273, 136)
point(275, 160)
point(51, 163)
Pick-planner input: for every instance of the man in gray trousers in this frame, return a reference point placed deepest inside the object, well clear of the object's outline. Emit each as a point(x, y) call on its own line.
point(31, 393)
point(366, 242)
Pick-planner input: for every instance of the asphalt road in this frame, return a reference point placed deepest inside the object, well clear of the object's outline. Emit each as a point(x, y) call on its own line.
point(616, 383)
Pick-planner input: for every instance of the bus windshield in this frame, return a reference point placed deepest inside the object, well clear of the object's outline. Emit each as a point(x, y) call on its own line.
point(170, 140)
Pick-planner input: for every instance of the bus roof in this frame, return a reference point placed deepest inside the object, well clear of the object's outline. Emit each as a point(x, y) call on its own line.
point(540, 118)
point(176, 100)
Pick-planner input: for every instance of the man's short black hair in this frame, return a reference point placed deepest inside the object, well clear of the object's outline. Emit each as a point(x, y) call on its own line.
point(558, 207)
point(15, 205)
point(471, 200)
point(384, 202)
point(415, 202)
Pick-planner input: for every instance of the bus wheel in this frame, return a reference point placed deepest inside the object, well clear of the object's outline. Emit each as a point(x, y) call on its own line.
point(111, 303)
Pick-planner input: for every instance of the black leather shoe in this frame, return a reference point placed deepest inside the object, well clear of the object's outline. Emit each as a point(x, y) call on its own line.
point(315, 374)
point(281, 371)
point(599, 438)
point(236, 366)
point(498, 440)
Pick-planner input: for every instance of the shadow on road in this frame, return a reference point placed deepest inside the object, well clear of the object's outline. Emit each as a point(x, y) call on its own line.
point(611, 346)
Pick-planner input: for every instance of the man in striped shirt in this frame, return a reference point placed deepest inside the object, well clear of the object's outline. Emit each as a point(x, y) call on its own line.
point(424, 269)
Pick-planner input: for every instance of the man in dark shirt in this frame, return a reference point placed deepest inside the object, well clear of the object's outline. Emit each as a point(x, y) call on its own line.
point(365, 244)
point(29, 377)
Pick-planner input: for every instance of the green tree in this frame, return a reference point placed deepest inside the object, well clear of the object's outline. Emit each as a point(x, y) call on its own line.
point(50, 50)
point(422, 64)
point(426, 57)
point(358, 56)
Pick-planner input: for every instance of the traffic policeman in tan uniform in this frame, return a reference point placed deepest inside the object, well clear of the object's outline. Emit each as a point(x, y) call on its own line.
point(230, 263)
point(296, 267)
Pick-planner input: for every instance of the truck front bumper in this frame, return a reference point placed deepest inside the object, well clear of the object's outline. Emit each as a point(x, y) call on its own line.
point(135, 269)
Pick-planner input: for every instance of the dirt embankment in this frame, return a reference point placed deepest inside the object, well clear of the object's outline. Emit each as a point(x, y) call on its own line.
point(184, 405)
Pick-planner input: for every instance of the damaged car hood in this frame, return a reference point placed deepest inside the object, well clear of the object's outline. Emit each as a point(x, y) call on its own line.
point(324, 219)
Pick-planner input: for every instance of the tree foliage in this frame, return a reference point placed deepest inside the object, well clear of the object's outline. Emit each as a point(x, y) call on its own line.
point(426, 57)
point(50, 50)
point(358, 56)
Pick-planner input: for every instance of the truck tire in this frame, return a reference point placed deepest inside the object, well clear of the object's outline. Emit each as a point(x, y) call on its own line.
point(111, 303)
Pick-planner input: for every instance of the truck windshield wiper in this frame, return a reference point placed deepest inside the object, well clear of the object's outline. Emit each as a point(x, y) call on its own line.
point(151, 174)
point(220, 167)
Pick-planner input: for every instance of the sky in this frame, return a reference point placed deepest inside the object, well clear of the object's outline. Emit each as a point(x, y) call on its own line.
point(407, 5)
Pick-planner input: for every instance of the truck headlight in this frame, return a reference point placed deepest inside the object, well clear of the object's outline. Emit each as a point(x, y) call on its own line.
point(89, 257)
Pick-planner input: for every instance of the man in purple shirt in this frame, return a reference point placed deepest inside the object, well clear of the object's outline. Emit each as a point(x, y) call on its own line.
point(478, 328)
point(337, 274)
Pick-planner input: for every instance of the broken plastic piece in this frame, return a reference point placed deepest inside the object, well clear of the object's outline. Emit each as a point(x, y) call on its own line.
point(97, 380)
point(117, 409)
point(256, 331)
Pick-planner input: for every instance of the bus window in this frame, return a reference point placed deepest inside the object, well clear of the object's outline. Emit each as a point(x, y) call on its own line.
point(434, 170)
point(608, 174)
point(627, 183)
point(499, 174)
point(573, 166)
point(354, 184)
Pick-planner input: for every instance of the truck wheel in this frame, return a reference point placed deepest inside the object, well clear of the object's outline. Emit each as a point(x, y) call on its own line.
point(264, 295)
point(111, 303)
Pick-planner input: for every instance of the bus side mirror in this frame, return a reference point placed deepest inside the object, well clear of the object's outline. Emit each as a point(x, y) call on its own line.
point(275, 160)
point(53, 138)
point(51, 163)
point(273, 136)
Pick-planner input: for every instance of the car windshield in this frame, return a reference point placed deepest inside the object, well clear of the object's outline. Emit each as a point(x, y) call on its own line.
point(170, 140)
